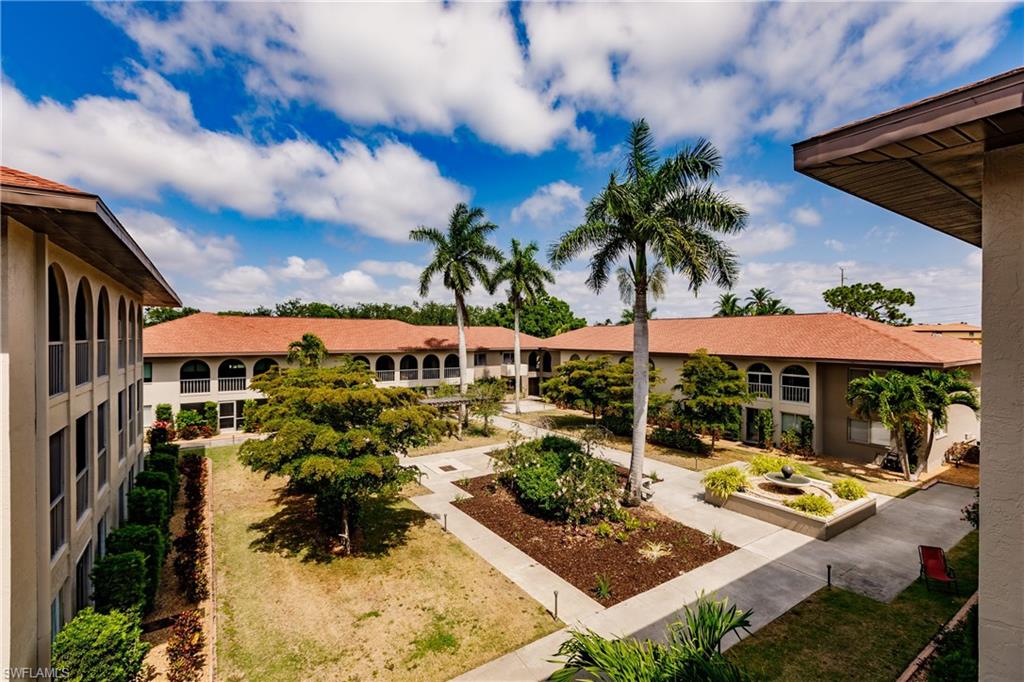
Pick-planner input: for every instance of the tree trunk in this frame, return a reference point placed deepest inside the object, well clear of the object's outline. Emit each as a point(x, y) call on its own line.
point(460, 320)
point(515, 356)
point(641, 380)
point(345, 540)
point(901, 450)
point(922, 463)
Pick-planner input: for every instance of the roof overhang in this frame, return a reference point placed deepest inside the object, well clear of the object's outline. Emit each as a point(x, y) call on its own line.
point(83, 225)
point(924, 160)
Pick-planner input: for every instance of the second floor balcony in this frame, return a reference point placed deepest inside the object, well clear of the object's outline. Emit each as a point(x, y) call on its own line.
point(191, 386)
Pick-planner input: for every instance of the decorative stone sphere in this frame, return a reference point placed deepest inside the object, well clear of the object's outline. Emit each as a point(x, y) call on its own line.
point(787, 471)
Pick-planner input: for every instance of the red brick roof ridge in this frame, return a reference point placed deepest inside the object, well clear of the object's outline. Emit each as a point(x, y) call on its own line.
point(12, 177)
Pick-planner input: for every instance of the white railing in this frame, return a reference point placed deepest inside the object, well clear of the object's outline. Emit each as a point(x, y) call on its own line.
point(408, 374)
point(82, 493)
point(231, 384)
point(796, 394)
point(195, 385)
point(55, 364)
point(385, 375)
point(432, 373)
point(451, 372)
point(102, 358)
point(762, 389)
point(83, 368)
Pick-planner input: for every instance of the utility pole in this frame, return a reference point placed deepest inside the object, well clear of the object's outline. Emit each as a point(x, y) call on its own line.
point(842, 276)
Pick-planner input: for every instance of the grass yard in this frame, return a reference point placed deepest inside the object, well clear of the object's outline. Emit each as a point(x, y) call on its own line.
point(472, 437)
point(415, 604)
point(839, 635)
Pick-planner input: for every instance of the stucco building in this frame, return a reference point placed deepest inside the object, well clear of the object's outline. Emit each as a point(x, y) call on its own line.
point(72, 287)
point(797, 366)
point(956, 330)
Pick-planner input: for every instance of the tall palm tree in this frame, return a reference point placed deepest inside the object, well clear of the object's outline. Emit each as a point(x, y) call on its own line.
point(943, 389)
point(659, 210)
point(526, 279)
point(774, 306)
point(461, 255)
point(897, 401)
point(309, 351)
point(729, 306)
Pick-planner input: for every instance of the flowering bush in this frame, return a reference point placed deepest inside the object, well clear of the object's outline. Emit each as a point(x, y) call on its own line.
point(162, 431)
point(186, 648)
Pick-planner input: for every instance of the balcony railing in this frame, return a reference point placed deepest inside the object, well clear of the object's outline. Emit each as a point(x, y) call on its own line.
point(230, 384)
point(121, 350)
point(385, 375)
point(195, 385)
point(83, 364)
point(432, 373)
point(55, 362)
point(761, 389)
point(408, 374)
point(102, 358)
point(451, 372)
point(796, 394)
point(82, 493)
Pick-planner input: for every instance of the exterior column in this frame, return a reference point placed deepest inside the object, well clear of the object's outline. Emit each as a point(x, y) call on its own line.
point(1002, 477)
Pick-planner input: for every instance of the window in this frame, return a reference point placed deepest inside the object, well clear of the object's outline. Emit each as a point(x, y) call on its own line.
point(131, 478)
point(147, 372)
point(57, 612)
point(58, 446)
point(102, 439)
point(479, 359)
point(122, 446)
point(868, 432)
point(796, 384)
point(83, 456)
point(508, 358)
point(759, 380)
point(131, 409)
point(82, 587)
point(101, 537)
point(791, 421)
point(227, 415)
point(147, 414)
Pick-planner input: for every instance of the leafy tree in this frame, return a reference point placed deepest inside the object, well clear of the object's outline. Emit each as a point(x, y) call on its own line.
point(660, 210)
point(293, 307)
point(582, 385)
point(764, 427)
point(526, 279)
point(729, 306)
point(309, 351)
point(547, 316)
point(100, 647)
point(461, 254)
point(871, 301)
point(897, 401)
point(158, 314)
point(713, 394)
point(336, 435)
point(487, 395)
point(942, 389)
point(626, 317)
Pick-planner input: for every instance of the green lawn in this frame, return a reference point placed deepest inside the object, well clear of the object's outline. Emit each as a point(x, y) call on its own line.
point(839, 635)
point(415, 603)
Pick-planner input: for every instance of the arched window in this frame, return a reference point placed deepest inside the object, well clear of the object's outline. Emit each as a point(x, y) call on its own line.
point(131, 333)
point(547, 361)
point(623, 359)
point(122, 330)
point(385, 366)
point(431, 367)
point(759, 380)
point(796, 384)
point(408, 368)
point(231, 375)
point(362, 359)
point(574, 357)
point(83, 333)
point(732, 365)
point(195, 377)
point(56, 329)
point(264, 365)
point(531, 362)
point(451, 366)
point(102, 334)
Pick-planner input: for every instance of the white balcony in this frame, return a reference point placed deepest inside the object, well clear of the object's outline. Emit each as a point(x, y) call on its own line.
point(195, 386)
point(760, 389)
point(385, 375)
point(432, 373)
point(229, 384)
point(451, 372)
point(408, 374)
point(796, 394)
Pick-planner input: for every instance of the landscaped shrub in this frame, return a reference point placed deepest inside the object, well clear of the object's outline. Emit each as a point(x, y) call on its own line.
point(725, 481)
point(148, 540)
point(192, 425)
point(156, 480)
point(956, 655)
point(100, 647)
point(163, 412)
point(971, 513)
point(119, 582)
point(815, 505)
point(186, 648)
point(148, 507)
point(194, 471)
point(963, 452)
point(166, 448)
point(160, 432)
point(211, 416)
point(679, 439)
point(620, 425)
point(764, 427)
point(849, 489)
point(766, 464)
point(249, 423)
point(165, 463)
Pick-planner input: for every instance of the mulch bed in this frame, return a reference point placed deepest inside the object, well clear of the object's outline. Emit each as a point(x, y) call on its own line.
point(579, 556)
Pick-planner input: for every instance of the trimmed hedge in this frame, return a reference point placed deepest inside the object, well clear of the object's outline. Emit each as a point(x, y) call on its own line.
point(148, 540)
point(119, 582)
point(679, 439)
point(156, 480)
point(148, 507)
point(164, 413)
point(98, 647)
point(165, 463)
point(166, 448)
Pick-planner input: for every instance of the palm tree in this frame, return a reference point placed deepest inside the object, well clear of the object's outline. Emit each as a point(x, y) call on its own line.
point(897, 401)
point(526, 278)
point(729, 306)
point(943, 389)
point(307, 352)
point(460, 256)
point(660, 210)
point(774, 306)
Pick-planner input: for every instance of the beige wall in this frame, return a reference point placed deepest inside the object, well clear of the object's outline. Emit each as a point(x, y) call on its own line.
point(30, 577)
point(1002, 478)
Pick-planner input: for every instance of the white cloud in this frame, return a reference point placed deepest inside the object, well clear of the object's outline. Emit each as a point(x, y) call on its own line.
point(755, 241)
point(759, 197)
point(973, 260)
point(881, 234)
point(835, 245)
point(807, 215)
point(175, 249)
point(300, 268)
point(139, 147)
point(398, 268)
point(558, 199)
point(349, 286)
point(244, 278)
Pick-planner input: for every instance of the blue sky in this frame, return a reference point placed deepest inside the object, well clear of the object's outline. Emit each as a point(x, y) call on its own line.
point(262, 151)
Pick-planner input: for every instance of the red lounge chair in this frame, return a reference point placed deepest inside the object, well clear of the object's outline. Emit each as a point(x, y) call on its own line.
point(934, 567)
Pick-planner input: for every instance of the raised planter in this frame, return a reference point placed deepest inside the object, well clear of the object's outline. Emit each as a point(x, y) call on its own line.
point(820, 527)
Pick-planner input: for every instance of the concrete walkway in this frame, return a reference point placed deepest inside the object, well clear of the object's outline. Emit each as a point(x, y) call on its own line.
point(772, 571)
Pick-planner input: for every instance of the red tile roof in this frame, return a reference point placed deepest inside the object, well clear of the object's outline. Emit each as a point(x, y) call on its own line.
point(946, 327)
point(13, 177)
point(821, 336)
point(211, 334)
